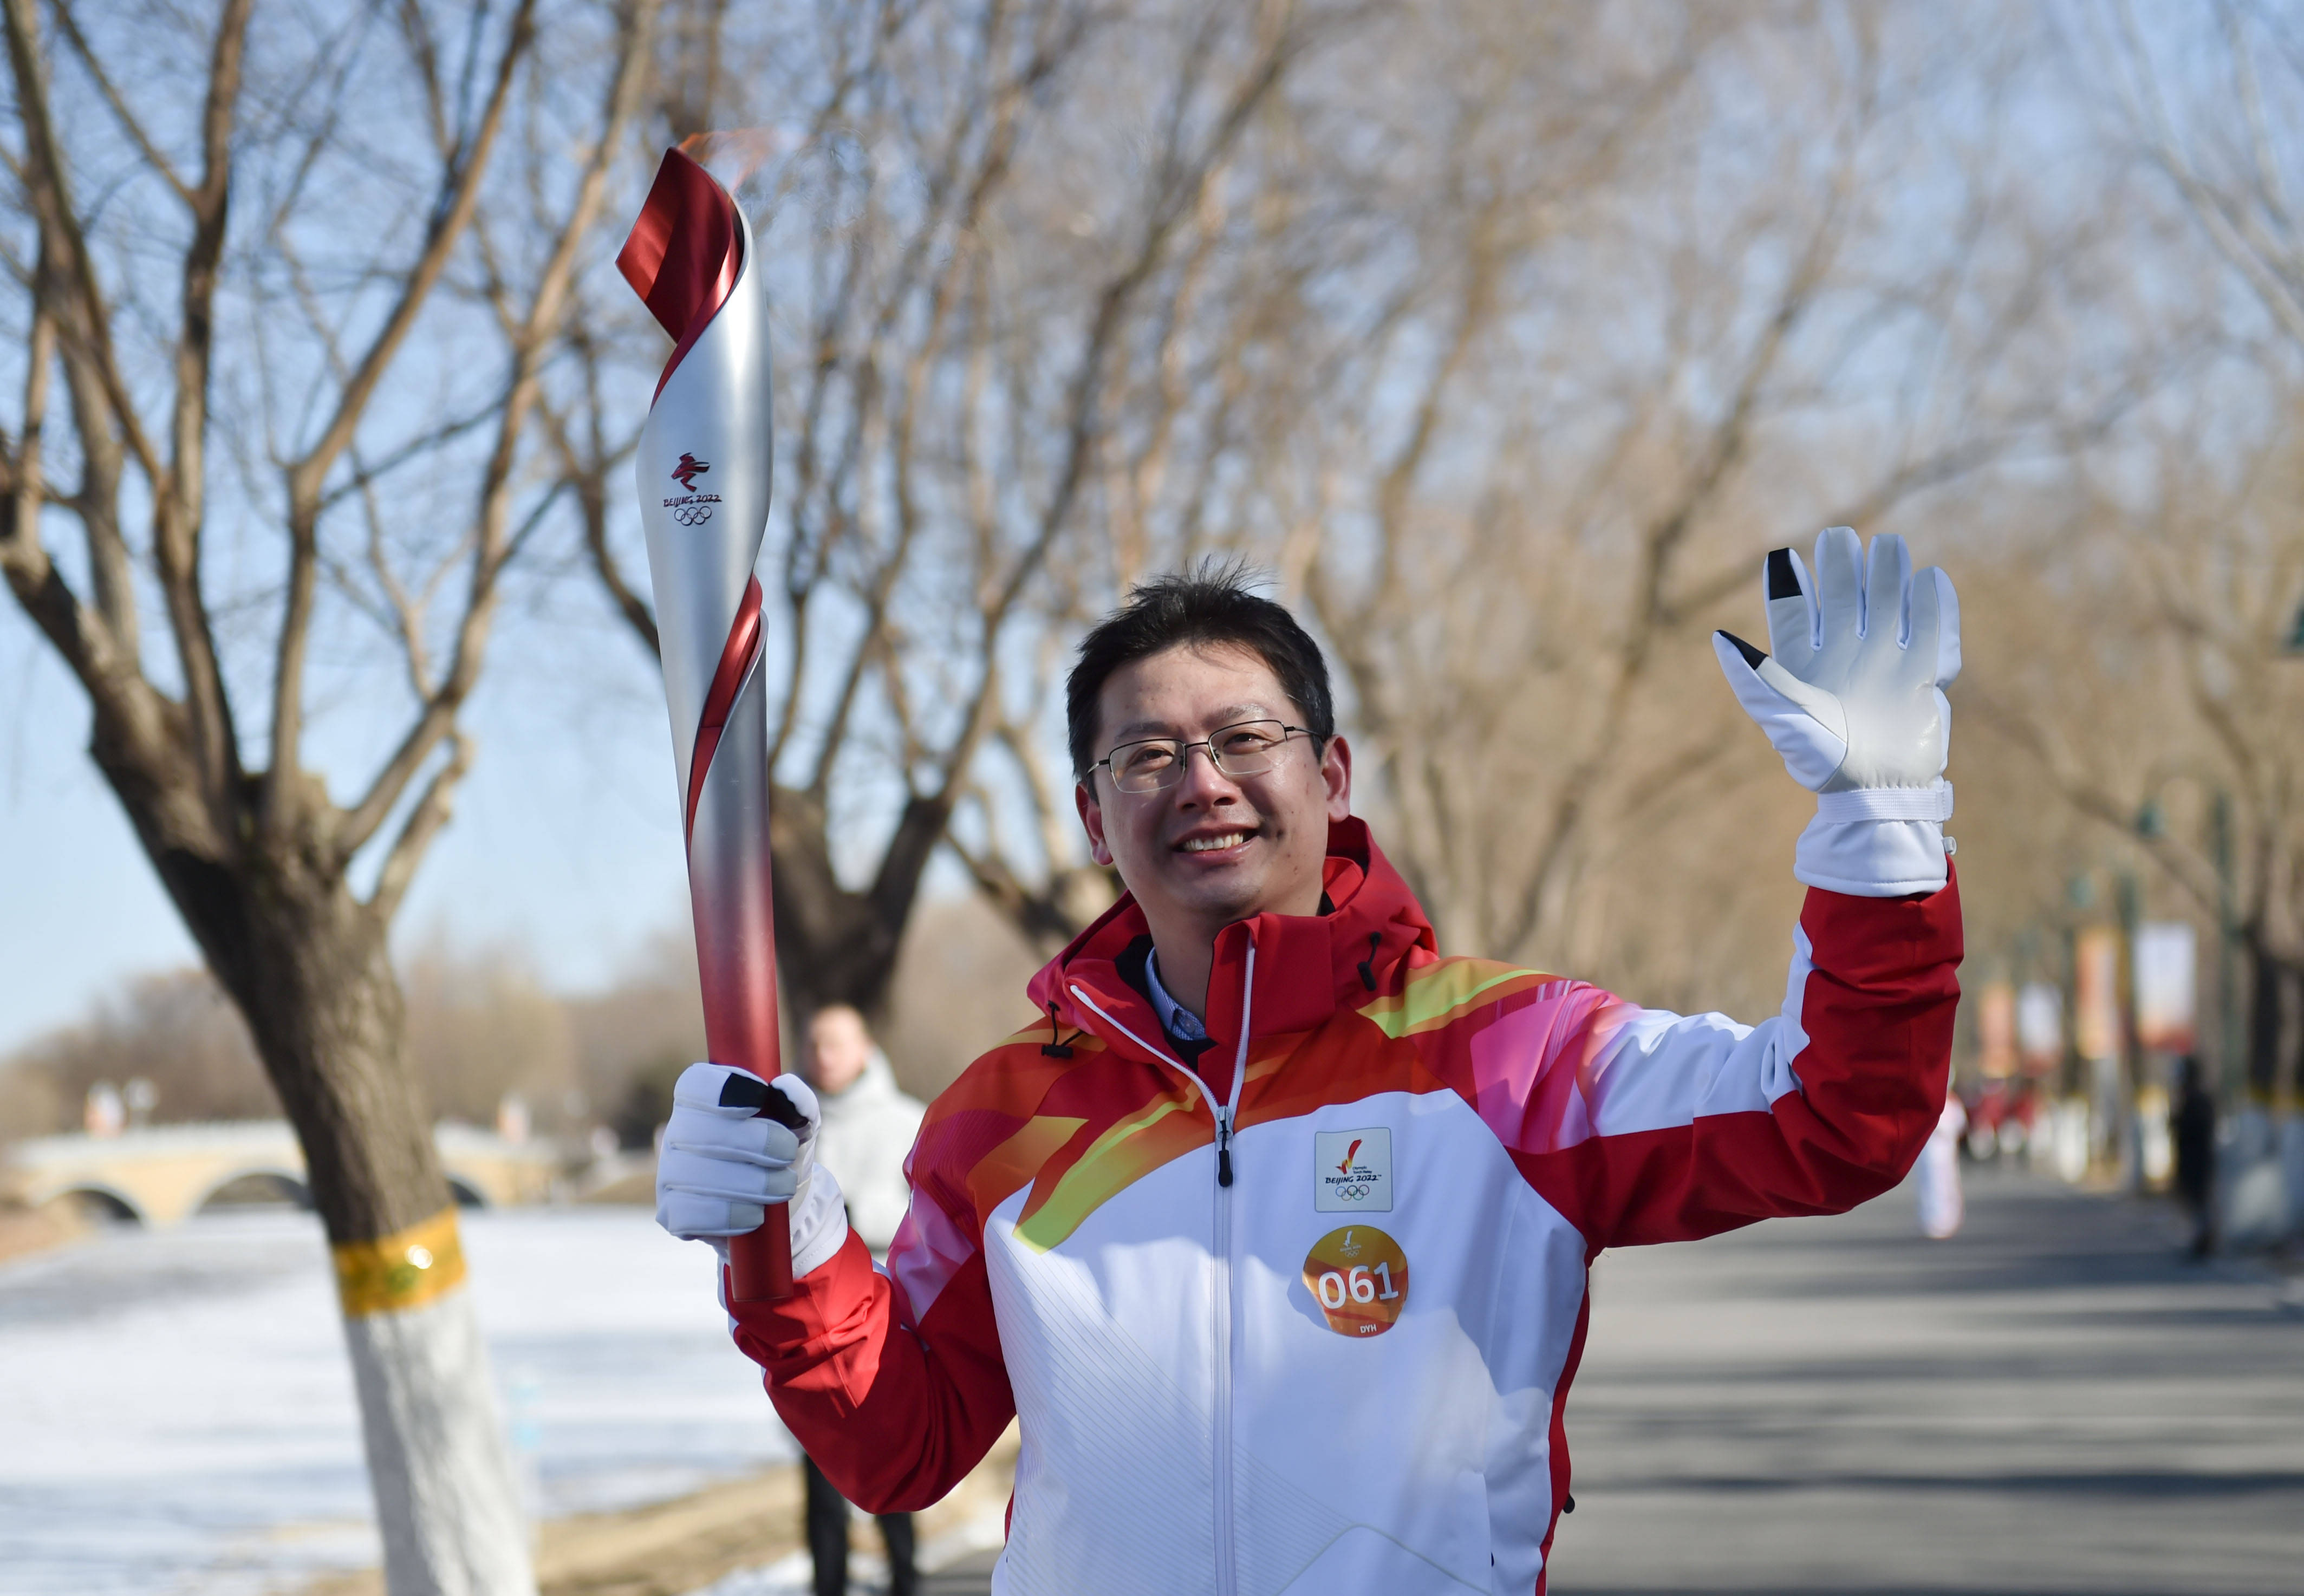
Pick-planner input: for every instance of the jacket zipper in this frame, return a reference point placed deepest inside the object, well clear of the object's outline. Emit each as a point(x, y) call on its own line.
point(1227, 1327)
point(1224, 1327)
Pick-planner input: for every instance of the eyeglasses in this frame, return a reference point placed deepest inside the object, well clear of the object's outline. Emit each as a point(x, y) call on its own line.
point(1245, 749)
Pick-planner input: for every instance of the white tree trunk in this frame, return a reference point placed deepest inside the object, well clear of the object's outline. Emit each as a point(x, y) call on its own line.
point(447, 1501)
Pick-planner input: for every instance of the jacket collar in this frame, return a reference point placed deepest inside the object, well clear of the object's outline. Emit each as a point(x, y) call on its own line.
point(1307, 965)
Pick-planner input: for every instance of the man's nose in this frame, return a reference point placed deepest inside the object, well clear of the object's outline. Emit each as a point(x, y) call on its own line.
point(1202, 779)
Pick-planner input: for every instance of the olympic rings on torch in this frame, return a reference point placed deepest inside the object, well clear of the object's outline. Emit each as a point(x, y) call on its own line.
point(693, 515)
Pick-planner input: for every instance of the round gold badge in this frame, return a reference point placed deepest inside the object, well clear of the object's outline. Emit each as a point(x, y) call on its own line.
point(1360, 1277)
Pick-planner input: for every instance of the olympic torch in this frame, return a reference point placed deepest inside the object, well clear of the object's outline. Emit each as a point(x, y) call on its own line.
point(703, 465)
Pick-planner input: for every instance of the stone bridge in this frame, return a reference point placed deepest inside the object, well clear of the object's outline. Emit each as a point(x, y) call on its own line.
point(166, 1173)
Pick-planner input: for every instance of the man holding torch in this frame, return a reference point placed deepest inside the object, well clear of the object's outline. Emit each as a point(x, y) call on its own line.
point(1273, 1227)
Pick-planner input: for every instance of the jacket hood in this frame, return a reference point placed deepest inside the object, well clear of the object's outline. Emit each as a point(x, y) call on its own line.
point(1307, 965)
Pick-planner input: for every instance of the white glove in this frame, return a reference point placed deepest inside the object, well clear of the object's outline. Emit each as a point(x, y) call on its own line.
point(734, 1147)
point(1854, 702)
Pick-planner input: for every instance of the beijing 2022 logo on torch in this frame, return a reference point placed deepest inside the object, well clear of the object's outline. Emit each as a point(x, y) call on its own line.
point(695, 509)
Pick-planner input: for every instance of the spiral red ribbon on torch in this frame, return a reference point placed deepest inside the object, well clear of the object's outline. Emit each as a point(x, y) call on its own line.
point(684, 258)
point(681, 255)
point(739, 656)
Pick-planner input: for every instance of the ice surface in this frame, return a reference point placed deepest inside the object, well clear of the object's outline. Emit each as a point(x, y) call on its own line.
point(176, 1413)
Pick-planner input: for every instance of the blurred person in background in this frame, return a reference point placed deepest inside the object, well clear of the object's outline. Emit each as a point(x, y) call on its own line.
point(866, 1130)
point(2192, 1128)
point(1937, 1174)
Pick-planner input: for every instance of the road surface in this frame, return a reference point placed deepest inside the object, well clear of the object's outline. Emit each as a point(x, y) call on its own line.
point(2054, 1400)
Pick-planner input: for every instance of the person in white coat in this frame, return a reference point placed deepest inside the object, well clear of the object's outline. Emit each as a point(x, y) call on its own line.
point(866, 1134)
point(1937, 1173)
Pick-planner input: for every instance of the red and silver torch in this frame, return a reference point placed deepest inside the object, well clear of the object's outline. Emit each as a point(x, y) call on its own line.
point(703, 463)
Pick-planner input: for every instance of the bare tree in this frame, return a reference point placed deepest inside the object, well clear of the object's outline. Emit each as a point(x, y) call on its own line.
point(2169, 720)
point(2158, 692)
point(250, 281)
point(1630, 335)
point(175, 1030)
point(981, 233)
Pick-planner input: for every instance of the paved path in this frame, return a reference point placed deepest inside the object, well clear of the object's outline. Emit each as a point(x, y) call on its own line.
point(2052, 1401)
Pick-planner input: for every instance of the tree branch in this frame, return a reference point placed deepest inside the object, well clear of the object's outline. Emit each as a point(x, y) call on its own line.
point(534, 336)
point(85, 332)
point(153, 157)
point(431, 812)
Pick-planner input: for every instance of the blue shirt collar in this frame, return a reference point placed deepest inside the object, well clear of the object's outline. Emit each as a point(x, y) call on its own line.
point(1177, 1020)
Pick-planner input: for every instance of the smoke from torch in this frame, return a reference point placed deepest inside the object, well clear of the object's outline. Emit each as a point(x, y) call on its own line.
point(703, 465)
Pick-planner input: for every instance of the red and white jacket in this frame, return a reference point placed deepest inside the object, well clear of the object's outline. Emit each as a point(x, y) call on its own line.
point(1303, 1318)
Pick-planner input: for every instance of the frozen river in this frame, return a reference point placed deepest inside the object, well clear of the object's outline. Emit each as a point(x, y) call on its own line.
point(176, 1415)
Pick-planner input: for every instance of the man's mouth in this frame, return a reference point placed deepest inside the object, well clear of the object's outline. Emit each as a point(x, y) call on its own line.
point(1214, 842)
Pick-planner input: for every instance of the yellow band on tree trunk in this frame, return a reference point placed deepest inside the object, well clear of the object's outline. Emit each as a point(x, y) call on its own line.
point(404, 1270)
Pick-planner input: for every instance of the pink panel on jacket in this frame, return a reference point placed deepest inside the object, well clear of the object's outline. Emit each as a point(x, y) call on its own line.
point(928, 1250)
point(1533, 1066)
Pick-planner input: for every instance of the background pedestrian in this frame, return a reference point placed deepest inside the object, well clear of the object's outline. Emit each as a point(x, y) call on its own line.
point(1937, 1173)
point(866, 1133)
point(2192, 1128)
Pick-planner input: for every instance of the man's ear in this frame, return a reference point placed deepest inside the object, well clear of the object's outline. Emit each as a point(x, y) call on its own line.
point(1336, 774)
point(1091, 816)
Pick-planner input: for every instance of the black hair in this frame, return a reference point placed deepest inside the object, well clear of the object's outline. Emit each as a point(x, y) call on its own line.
point(1212, 605)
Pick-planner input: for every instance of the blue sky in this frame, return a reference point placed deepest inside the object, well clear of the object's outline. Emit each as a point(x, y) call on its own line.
point(566, 843)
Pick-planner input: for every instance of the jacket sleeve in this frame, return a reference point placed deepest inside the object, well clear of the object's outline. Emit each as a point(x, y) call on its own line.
point(1666, 1127)
point(893, 1383)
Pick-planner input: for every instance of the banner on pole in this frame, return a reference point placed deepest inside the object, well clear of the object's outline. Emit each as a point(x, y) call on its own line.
point(2164, 965)
point(2095, 995)
point(2040, 1028)
point(1996, 1017)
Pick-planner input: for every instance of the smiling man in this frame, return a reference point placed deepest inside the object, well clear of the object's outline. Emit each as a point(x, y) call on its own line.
point(1274, 1230)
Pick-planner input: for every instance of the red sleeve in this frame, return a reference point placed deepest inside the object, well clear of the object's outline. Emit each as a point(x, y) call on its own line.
point(894, 1414)
point(1685, 1127)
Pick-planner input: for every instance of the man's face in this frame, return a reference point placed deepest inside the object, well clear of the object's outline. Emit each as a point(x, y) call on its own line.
point(838, 1049)
point(1213, 849)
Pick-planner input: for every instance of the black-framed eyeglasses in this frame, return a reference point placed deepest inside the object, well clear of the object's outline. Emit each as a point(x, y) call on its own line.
point(1247, 748)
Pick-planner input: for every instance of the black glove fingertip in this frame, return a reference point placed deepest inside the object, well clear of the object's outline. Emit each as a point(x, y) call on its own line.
point(1752, 656)
point(784, 1111)
point(1783, 580)
point(742, 1090)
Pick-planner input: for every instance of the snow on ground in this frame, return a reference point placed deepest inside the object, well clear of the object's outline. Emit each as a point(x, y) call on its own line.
point(176, 1413)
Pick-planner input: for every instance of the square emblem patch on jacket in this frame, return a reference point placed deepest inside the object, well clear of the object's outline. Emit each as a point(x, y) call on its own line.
point(1352, 1172)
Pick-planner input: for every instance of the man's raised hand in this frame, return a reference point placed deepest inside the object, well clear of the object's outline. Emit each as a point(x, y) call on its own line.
point(1853, 698)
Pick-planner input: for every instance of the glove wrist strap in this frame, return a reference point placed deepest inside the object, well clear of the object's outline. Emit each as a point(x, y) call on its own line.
point(1932, 802)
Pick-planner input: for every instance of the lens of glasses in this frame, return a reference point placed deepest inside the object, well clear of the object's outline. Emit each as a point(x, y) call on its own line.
point(1245, 749)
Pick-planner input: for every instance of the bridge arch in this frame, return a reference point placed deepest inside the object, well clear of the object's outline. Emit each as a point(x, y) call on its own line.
point(287, 1184)
point(104, 1200)
point(162, 1174)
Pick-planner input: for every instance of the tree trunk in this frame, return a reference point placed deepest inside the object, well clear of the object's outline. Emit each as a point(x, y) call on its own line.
point(307, 965)
point(2269, 984)
point(834, 945)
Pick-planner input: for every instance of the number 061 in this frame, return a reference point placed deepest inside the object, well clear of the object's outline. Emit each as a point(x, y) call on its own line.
point(1359, 1286)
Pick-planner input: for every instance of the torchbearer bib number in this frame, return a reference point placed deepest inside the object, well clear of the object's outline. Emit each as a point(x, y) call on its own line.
point(1359, 1277)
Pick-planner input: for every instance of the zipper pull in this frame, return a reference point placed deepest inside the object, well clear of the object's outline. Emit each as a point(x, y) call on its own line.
point(1224, 1145)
